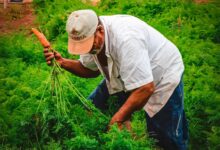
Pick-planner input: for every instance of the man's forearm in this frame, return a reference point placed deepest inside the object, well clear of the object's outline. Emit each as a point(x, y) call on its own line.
point(136, 101)
point(75, 67)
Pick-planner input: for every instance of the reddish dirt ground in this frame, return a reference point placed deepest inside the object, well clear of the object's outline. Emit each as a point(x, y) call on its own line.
point(19, 17)
point(16, 17)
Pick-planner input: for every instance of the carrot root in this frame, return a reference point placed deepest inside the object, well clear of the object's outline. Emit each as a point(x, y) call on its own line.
point(43, 40)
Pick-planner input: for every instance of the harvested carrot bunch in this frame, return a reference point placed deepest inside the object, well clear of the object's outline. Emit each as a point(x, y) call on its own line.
point(55, 86)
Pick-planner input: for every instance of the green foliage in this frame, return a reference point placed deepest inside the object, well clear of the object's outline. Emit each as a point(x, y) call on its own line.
point(82, 142)
point(121, 140)
point(194, 28)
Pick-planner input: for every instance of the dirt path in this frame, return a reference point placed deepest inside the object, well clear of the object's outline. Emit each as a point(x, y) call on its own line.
point(16, 17)
point(19, 17)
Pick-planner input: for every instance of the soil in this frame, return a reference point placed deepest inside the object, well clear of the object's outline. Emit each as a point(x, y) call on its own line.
point(19, 17)
point(16, 17)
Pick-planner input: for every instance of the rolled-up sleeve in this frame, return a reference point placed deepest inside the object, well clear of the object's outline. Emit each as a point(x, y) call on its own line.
point(87, 61)
point(134, 64)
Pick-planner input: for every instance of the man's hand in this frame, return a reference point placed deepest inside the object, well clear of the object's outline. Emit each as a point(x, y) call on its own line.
point(135, 101)
point(50, 55)
point(120, 122)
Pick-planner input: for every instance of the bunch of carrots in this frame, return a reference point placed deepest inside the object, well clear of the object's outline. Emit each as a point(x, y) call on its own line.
point(61, 103)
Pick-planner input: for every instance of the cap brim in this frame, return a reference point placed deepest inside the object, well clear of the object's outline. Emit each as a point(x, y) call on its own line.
point(80, 47)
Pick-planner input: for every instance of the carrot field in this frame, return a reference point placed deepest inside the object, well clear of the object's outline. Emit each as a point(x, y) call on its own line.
point(43, 107)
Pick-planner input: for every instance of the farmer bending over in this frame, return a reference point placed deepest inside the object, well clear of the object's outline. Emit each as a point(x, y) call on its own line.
point(142, 67)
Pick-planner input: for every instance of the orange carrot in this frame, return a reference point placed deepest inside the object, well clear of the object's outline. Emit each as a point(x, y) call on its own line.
point(44, 42)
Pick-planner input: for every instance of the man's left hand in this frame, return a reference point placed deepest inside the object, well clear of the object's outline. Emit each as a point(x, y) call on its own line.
point(117, 118)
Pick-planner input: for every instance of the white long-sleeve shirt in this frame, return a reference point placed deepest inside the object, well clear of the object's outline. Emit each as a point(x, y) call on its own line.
point(137, 54)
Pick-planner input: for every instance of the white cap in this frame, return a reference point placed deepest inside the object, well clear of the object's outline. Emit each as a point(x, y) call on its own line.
point(81, 26)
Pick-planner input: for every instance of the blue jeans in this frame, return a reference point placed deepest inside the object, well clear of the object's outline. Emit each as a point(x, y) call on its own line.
point(169, 126)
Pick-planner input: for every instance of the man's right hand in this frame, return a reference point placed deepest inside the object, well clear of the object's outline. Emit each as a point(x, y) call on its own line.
point(50, 55)
point(73, 66)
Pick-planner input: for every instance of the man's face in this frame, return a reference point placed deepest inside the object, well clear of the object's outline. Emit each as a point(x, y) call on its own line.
point(99, 40)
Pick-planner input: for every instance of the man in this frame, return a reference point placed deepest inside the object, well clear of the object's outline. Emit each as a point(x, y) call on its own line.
point(140, 66)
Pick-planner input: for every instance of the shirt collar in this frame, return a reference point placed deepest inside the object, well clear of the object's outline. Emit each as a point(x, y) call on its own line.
point(107, 53)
